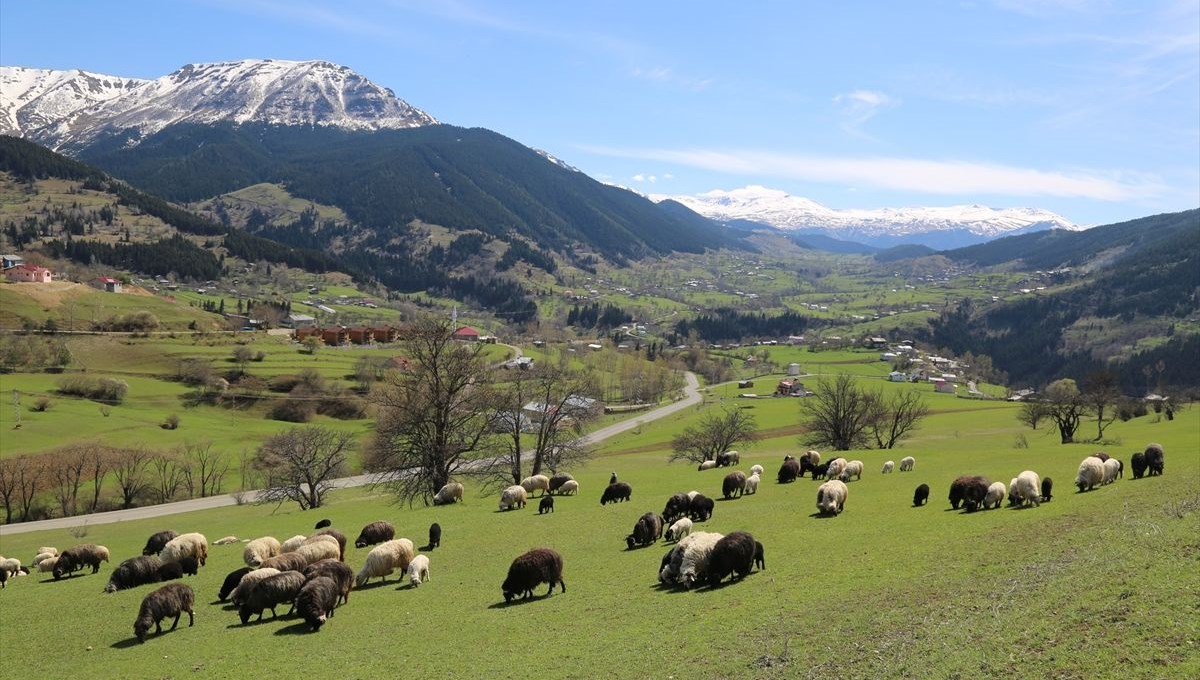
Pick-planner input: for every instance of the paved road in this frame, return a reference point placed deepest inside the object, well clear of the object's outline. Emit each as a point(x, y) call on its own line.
point(691, 392)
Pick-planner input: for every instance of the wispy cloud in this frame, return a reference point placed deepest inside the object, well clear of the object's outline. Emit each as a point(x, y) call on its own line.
point(306, 13)
point(943, 177)
point(860, 106)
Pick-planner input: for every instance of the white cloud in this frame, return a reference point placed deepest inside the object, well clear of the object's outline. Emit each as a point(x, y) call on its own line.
point(638, 178)
point(859, 106)
point(942, 177)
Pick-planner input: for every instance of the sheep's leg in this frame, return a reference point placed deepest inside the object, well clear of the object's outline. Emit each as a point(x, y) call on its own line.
point(158, 627)
point(191, 618)
point(177, 616)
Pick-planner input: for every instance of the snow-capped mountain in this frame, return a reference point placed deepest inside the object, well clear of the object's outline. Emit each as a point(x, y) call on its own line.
point(945, 227)
point(72, 108)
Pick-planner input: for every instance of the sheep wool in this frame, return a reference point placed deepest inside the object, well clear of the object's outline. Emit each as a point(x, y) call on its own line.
point(155, 543)
point(682, 527)
point(513, 497)
point(375, 533)
point(317, 600)
point(831, 497)
point(569, 487)
point(226, 540)
point(292, 543)
point(319, 550)
point(260, 549)
point(450, 493)
point(907, 463)
point(270, 593)
point(535, 483)
point(292, 561)
point(751, 484)
point(1027, 487)
point(994, 496)
point(384, 559)
point(1090, 475)
point(693, 567)
point(232, 579)
point(340, 572)
point(170, 600)
point(888, 466)
point(1112, 467)
point(756, 469)
point(418, 570)
point(239, 594)
point(190, 545)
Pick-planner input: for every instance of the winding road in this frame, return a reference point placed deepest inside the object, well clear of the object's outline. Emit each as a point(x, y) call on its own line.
point(691, 397)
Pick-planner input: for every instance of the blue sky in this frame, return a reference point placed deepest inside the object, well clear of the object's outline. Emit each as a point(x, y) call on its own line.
point(1090, 108)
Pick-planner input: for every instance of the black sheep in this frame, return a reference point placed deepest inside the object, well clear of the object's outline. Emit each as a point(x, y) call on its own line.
point(677, 506)
point(323, 523)
point(789, 471)
point(1154, 459)
point(77, 557)
point(1101, 455)
point(170, 571)
point(340, 572)
point(733, 554)
point(958, 489)
point(231, 581)
point(666, 560)
point(647, 530)
point(1138, 463)
point(701, 508)
point(733, 485)
point(374, 533)
point(1047, 488)
point(760, 557)
point(546, 505)
point(270, 593)
point(316, 601)
point(974, 490)
point(820, 471)
point(155, 543)
point(170, 600)
point(338, 536)
point(286, 562)
point(616, 492)
point(612, 479)
point(921, 495)
point(435, 536)
point(136, 571)
point(538, 566)
point(806, 465)
point(558, 479)
point(189, 565)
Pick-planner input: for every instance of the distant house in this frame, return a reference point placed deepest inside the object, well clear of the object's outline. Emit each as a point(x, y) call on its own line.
point(897, 376)
point(790, 388)
point(335, 335)
point(575, 405)
point(466, 333)
point(385, 333)
point(106, 283)
point(10, 261)
point(875, 342)
point(743, 384)
point(943, 386)
point(299, 321)
point(28, 273)
point(359, 335)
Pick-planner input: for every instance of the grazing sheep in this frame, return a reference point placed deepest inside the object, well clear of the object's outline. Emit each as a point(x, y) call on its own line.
point(546, 505)
point(835, 467)
point(760, 556)
point(701, 508)
point(647, 530)
point(732, 555)
point(1014, 497)
point(706, 465)
point(292, 543)
point(756, 469)
point(1112, 468)
point(1025, 487)
point(293, 561)
point(1047, 488)
point(831, 497)
point(812, 456)
point(170, 600)
point(75, 558)
point(185, 545)
point(337, 536)
point(260, 549)
point(270, 593)
point(155, 543)
point(994, 496)
point(693, 567)
point(317, 600)
point(558, 479)
point(615, 493)
point(728, 458)
point(733, 485)
point(1138, 463)
point(226, 540)
point(42, 556)
point(418, 570)
point(1101, 455)
point(513, 497)
point(232, 579)
point(538, 566)
point(169, 571)
point(47, 565)
point(888, 466)
point(375, 533)
point(1090, 475)
point(907, 463)
point(668, 570)
point(568, 488)
point(239, 594)
point(136, 571)
point(435, 536)
point(323, 523)
point(958, 488)
point(340, 572)
point(319, 550)
point(9, 567)
point(1154, 459)
point(692, 495)
point(921, 495)
point(852, 469)
point(536, 482)
point(450, 493)
point(821, 471)
point(975, 491)
point(384, 559)
point(682, 527)
point(48, 549)
point(789, 471)
point(751, 484)
point(677, 506)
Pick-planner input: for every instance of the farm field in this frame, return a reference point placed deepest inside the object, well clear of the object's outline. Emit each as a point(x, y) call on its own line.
point(1095, 585)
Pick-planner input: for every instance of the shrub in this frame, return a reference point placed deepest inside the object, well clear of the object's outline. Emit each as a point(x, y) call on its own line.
point(344, 407)
point(171, 422)
point(105, 410)
point(283, 383)
point(41, 404)
point(107, 390)
point(293, 410)
point(259, 356)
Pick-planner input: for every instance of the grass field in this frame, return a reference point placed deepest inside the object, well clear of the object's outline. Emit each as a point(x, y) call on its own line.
point(1095, 585)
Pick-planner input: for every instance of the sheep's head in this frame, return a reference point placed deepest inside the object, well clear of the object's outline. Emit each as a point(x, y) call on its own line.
point(508, 596)
point(630, 541)
point(141, 627)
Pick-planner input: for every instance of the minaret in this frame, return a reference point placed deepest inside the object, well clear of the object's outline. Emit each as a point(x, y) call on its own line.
point(454, 317)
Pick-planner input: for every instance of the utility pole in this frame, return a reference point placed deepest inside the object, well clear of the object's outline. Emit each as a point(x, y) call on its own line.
point(16, 409)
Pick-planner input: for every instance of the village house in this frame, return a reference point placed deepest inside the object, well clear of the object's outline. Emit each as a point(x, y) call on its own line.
point(28, 273)
point(790, 388)
point(299, 321)
point(466, 333)
point(106, 283)
point(10, 261)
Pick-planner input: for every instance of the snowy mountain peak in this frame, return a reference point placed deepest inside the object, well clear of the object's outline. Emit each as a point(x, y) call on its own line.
point(62, 108)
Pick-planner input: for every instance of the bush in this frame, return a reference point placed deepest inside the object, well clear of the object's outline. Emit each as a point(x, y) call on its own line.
point(107, 390)
point(41, 404)
point(171, 422)
point(259, 356)
point(344, 407)
point(293, 410)
point(283, 383)
point(137, 322)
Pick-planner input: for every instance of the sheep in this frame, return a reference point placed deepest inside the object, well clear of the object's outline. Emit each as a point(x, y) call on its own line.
point(888, 466)
point(751, 484)
point(706, 465)
point(513, 497)
point(270, 593)
point(677, 506)
point(1101, 455)
point(1154, 459)
point(260, 549)
point(317, 600)
point(975, 491)
point(375, 533)
point(907, 463)
point(682, 527)
point(612, 479)
point(831, 497)
point(728, 458)
point(384, 559)
point(835, 467)
point(48, 549)
point(820, 472)
point(558, 479)
point(47, 565)
point(1090, 475)
point(171, 600)
point(293, 561)
point(1014, 496)
point(155, 543)
point(239, 594)
point(337, 536)
point(568, 488)
point(9, 567)
point(733, 485)
point(319, 550)
point(958, 488)
point(193, 544)
point(760, 556)
point(701, 508)
point(1047, 488)
point(340, 572)
point(921, 495)
point(789, 471)
point(1112, 467)
point(852, 469)
point(994, 496)
point(170, 571)
point(756, 469)
point(671, 569)
point(647, 530)
point(1025, 488)
point(225, 540)
point(75, 558)
point(322, 524)
point(435, 536)
point(732, 555)
point(693, 566)
point(527, 571)
point(292, 543)
point(41, 557)
point(536, 482)
point(691, 495)
point(232, 579)
point(546, 505)
point(1138, 463)
point(615, 493)
point(418, 570)
point(450, 493)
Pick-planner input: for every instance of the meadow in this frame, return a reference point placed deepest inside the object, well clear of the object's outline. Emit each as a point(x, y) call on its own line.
point(1094, 585)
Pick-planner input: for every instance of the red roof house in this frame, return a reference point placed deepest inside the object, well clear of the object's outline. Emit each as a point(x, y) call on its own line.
point(466, 333)
point(30, 273)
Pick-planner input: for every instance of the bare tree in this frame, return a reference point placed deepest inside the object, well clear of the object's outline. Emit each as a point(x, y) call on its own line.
point(716, 433)
point(242, 356)
point(130, 468)
point(432, 416)
point(839, 415)
point(67, 467)
point(896, 418)
point(1065, 407)
point(300, 464)
point(8, 486)
point(1101, 393)
point(166, 477)
point(30, 481)
point(98, 461)
point(203, 469)
point(1032, 413)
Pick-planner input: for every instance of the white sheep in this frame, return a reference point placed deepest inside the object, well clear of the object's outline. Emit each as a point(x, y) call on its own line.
point(813, 456)
point(1014, 496)
point(531, 484)
point(450, 493)
point(907, 463)
point(682, 527)
point(1111, 467)
point(10, 564)
point(418, 570)
point(226, 540)
point(707, 465)
point(242, 591)
point(1091, 473)
point(384, 559)
point(292, 543)
point(835, 467)
point(569, 487)
point(995, 495)
point(852, 469)
point(320, 550)
point(185, 545)
point(48, 549)
point(751, 484)
point(831, 497)
point(46, 566)
point(731, 458)
point(756, 469)
point(1027, 487)
point(513, 497)
point(889, 466)
point(260, 549)
point(693, 567)
point(41, 557)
